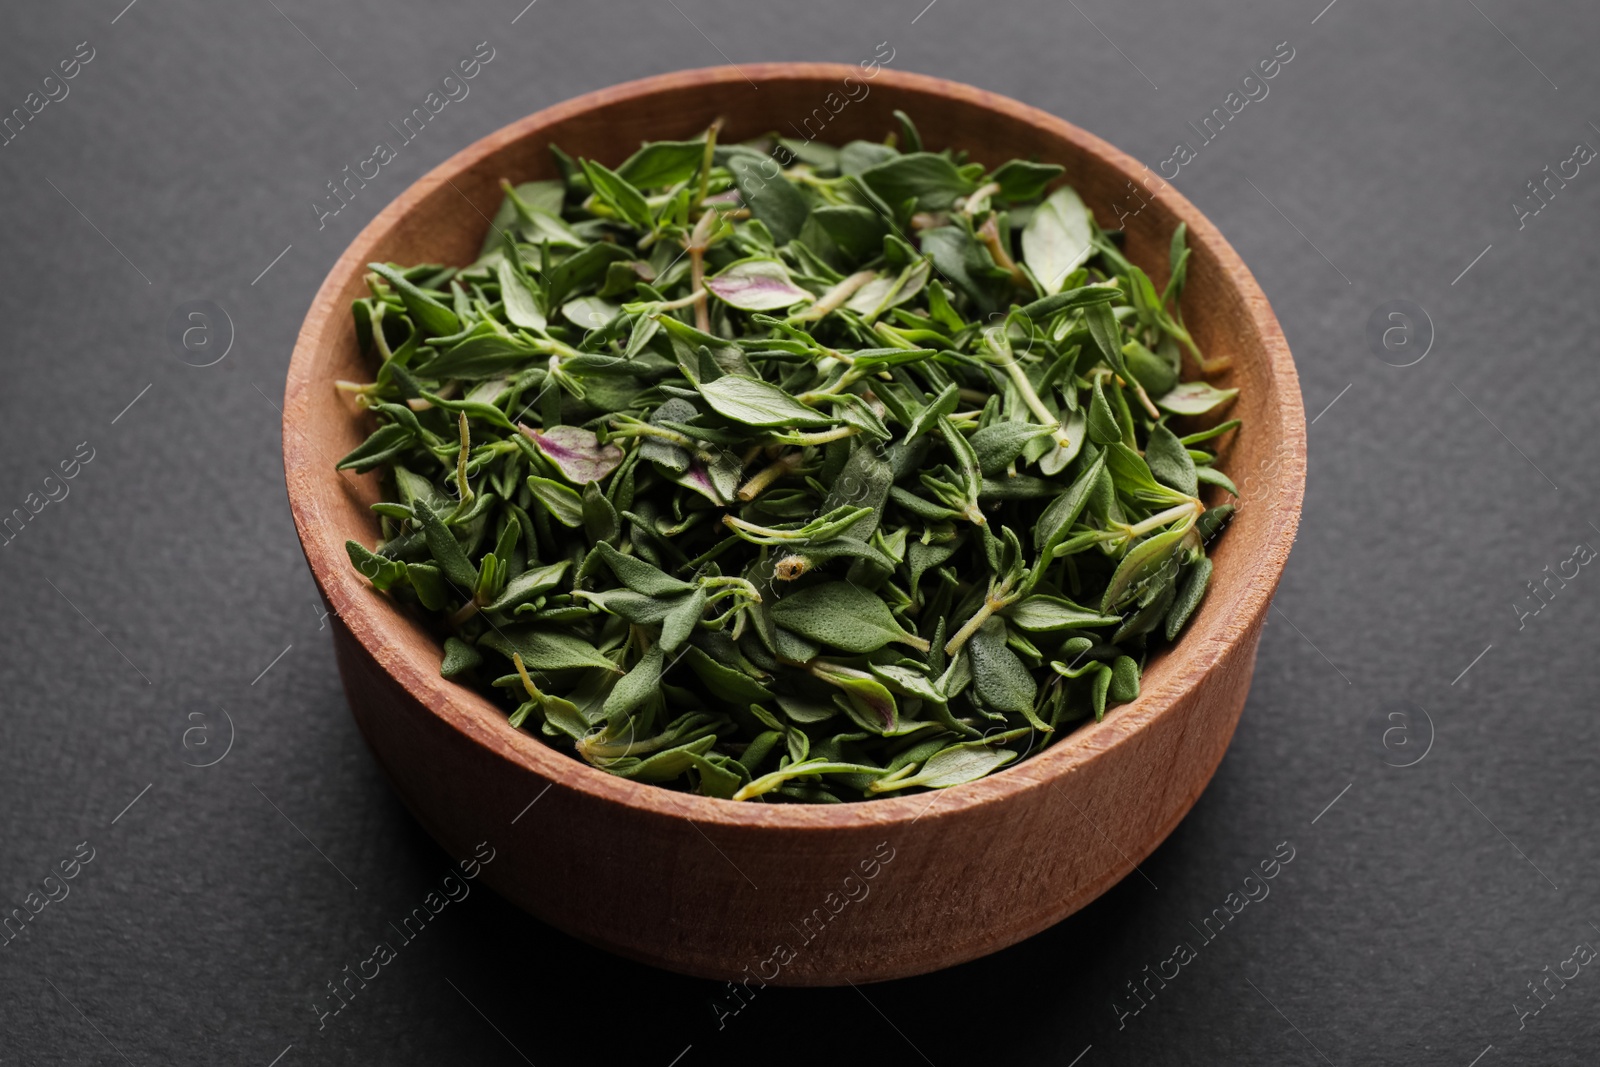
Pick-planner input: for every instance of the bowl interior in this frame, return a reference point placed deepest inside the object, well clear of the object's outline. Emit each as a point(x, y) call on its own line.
point(443, 217)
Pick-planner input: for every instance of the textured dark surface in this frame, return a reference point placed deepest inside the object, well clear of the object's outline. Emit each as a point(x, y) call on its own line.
point(149, 600)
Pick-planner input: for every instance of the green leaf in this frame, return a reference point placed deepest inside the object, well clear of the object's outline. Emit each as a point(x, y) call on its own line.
point(561, 501)
point(663, 767)
point(876, 359)
point(1075, 649)
point(1070, 300)
point(1169, 460)
point(770, 196)
point(581, 269)
point(808, 556)
point(852, 410)
point(907, 682)
point(715, 481)
point(803, 711)
point(564, 715)
point(1212, 522)
point(623, 278)
point(545, 650)
point(998, 444)
point(1155, 374)
point(1143, 563)
point(1124, 680)
point(446, 551)
point(637, 608)
point(888, 291)
point(682, 619)
point(1152, 604)
point(1194, 398)
point(428, 582)
point(961, 260)
point(858, 231)
point(520, 298)
point(909, 137)
point(933, 413)
point(388, 442)
point(999, 676)
point(426, 311)
point(754, 402)
point(1058, 239)
point(601, 522)
point(382, 572)
point(857, 156)
point(1076, 427)
point(590, 312)
point(476, 409)
point(956, 765)
point(842, 615)
point(481, 356)
point(1045, 614)
point(1022, 180)
point(1103, 426)
point(809, 769)
point(1212, 476)
point(635, 687)
point(932, 180)
point(533, 198)
point(720, 776)
point(1055, 524)
point(640, 576)
point(661, 163)
point(617, 193)
point(1102, 323)
point(725, 682)
point(1218, 430)
point(1101, 687)
point(1191, 591)
point(529, 198)
point(1135, 482)
point(459, 658)
point(529, 585)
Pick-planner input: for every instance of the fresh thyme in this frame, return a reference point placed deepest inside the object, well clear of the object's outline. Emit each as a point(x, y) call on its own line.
point(783, 471)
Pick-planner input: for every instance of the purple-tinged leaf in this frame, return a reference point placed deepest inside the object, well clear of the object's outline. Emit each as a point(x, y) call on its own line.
point(697, 479)
point(576, 452)
point(756, 285)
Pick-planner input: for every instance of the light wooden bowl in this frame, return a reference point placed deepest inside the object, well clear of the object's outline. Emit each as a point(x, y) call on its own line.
point(794, 894)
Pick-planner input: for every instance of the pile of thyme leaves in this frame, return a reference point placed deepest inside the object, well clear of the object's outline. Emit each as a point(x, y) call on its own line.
point(789, 471)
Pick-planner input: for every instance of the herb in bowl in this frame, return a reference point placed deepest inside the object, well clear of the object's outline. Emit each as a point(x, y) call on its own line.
point(815, 480)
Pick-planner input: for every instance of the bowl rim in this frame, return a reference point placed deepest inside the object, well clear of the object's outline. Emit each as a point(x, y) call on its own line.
point(375, 625)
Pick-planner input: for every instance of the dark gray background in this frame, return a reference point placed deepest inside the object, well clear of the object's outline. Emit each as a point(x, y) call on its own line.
point(152, 598)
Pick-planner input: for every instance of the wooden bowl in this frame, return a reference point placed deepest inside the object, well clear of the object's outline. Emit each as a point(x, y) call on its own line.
point(796, 894)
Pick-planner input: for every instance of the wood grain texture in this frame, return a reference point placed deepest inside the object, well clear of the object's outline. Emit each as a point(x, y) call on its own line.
point(780, 892)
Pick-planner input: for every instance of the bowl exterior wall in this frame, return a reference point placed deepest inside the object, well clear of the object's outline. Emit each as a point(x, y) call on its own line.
point(791, 907)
